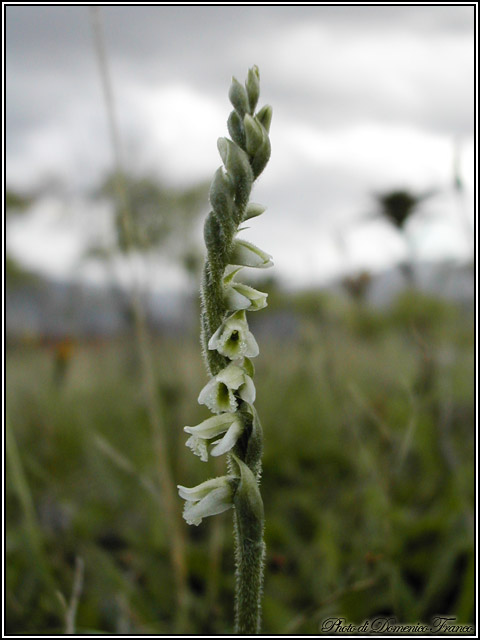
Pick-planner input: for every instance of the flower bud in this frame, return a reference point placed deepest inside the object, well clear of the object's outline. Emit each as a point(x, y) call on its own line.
point(253, 87)
point(254, 134)
point(238, 166)
point(264, 117)
point(235, 129)
point(261, 157)
point(238, 97)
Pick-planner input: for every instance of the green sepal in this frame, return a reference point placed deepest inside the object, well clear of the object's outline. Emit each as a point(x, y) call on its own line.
point(238, 166)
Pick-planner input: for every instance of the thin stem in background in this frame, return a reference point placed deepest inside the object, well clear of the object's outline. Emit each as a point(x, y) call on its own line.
point(169, 494)
point(71, 611)
point(24, 495)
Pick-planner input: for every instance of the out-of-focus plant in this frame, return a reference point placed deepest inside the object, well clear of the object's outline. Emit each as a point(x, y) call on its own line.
point(398, 207)
point(228, 346)
point(161, 217)
point(357, 286)
point(128, 237)
point(17, 203)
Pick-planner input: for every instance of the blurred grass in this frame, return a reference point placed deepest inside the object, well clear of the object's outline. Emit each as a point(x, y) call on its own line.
point(368, 476)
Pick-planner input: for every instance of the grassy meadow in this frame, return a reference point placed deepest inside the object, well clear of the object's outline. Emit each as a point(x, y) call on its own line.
point(368, 478)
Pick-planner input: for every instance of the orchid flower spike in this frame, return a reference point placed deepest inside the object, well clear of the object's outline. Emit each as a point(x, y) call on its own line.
point(228, 344)
point(228, 424)
point(207, 499)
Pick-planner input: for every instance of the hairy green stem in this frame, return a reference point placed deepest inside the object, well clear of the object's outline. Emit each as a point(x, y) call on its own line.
point(250, 558)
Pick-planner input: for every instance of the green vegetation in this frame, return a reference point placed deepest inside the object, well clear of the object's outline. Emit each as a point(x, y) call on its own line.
point(368, 475)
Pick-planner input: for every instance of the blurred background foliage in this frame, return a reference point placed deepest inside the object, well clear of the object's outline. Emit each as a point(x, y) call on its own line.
point(368, 477)
point(161, 216)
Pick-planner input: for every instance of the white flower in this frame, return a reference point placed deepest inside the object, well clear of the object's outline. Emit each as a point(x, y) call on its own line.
point(228, 424)
point(233, 338)
point(207, 499)
point(247, 254)
point(218, 394)
point(241, 296)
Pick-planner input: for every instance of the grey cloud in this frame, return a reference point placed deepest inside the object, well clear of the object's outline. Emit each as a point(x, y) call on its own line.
point(50, 58)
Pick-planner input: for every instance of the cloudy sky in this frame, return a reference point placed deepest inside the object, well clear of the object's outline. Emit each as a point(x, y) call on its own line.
point(365, 100)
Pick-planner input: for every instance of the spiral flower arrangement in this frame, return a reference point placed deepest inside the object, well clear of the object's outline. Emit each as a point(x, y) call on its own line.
point(228, 347)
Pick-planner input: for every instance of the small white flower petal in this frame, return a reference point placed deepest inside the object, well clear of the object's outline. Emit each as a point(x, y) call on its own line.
point(232, 376)
point(188, 516)
point(212, 427)
point(212, 343)
point(251, 346)
point(238, 292)
point(203, 489)
point(217, 501)
point(229, 439)
point(209, 429)
point(247, 391)
point(235, 300)
point(208, 391)
point(218, 397)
